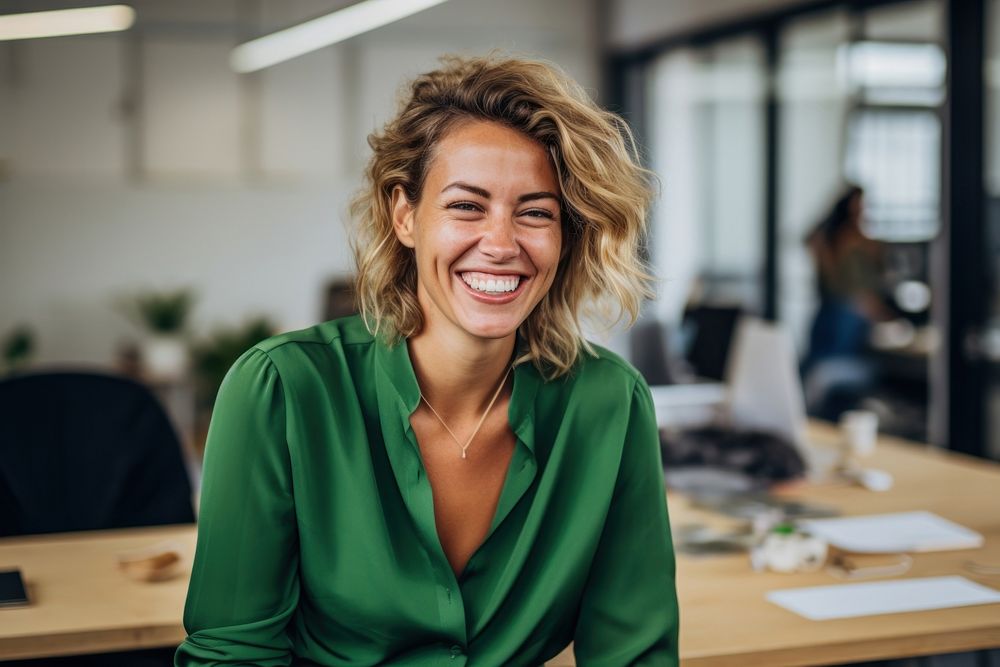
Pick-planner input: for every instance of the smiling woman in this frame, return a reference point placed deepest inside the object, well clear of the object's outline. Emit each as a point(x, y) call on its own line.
point(455, 476)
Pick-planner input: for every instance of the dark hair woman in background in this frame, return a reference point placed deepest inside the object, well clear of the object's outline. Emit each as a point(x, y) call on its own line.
point(849, 267)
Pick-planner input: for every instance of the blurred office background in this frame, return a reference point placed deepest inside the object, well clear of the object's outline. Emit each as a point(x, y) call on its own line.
point(156, 205)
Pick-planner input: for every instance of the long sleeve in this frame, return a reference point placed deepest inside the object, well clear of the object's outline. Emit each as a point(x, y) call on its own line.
point(244, 585)
point(629, 613)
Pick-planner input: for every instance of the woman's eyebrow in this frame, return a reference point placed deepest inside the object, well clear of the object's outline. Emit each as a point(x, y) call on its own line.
point(531, 196)
point(469, 188)
point(485, 194)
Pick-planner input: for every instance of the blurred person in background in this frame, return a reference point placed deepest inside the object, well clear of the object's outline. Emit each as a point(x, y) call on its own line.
point(849, 269)
point(454, 475)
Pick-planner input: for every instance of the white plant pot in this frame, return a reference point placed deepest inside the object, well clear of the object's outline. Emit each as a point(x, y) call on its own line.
point(164, 358)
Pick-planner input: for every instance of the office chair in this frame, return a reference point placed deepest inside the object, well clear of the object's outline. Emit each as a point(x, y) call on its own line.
point(650, 353)
point(710, 330)
point(85, 451)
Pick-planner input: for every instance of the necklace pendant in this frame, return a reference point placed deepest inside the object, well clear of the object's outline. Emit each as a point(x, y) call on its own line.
point(481, 419)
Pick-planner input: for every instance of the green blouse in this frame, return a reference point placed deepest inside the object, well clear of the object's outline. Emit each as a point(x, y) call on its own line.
point(316, 535)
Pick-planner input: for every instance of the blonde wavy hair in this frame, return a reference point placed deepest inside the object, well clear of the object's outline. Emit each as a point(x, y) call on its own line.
point(605, 195)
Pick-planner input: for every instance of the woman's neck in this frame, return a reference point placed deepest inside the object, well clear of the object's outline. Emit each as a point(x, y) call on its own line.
point(457, 373)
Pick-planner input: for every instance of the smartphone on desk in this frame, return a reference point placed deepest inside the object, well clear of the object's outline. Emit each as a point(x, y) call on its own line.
point(12, 590)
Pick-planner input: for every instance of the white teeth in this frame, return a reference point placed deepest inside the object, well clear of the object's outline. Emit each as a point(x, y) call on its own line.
point(494, 285)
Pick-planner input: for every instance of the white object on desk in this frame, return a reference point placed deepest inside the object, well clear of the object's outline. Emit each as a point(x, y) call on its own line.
point(821, 603)
point(789, 553)
point(893, 533)
point(859, 430)
point(695, 404)
point(871, 478)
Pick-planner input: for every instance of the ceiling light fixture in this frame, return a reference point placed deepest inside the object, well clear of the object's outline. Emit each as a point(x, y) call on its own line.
point(323, 31)
point(60, 22)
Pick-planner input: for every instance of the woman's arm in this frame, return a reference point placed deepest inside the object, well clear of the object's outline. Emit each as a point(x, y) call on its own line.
point(244, 584)
point(629, 613)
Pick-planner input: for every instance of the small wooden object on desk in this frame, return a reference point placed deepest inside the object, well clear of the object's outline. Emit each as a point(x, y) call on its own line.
point(159, 562)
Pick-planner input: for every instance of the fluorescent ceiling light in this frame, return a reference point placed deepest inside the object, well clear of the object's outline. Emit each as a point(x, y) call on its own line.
point(323, 31)
point(60, 22)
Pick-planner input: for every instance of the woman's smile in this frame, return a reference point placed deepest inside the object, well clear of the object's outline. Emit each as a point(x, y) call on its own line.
point(493, 287)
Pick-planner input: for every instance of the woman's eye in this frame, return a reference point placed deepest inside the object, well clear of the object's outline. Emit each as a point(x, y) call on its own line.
point(464, 206)
point(539, 213)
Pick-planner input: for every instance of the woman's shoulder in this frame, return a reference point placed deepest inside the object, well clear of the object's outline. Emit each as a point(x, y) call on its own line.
point(601, 377)
point(302, 350)
point(602, 386)
point(605, 365)
point(348, 330)
point(332, 334)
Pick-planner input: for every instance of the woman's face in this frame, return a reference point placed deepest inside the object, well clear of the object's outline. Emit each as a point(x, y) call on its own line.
point(486, 232)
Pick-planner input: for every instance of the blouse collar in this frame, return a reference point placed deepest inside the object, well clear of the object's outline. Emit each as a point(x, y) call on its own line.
point(397, 387)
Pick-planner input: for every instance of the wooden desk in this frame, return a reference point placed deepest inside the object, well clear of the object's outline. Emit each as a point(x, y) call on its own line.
point(725, 619)
point(84, 604)
point(722, 598)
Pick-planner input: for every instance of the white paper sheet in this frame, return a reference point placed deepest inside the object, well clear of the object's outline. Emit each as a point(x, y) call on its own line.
point(894, 533)
point(821, 603)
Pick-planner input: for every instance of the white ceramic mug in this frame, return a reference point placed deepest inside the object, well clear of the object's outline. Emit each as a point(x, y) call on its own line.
point(859, 432)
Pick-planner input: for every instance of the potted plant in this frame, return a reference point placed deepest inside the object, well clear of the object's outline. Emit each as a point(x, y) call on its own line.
point(213, 358)
point(163, 315)
point(18, 347)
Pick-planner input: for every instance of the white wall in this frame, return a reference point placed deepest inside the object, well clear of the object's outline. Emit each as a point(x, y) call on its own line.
point(236, 186)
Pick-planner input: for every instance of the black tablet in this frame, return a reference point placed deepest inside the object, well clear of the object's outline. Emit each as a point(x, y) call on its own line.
point(12, 591)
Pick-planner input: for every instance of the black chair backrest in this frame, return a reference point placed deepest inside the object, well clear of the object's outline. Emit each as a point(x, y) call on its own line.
point(650, 353)
point(711, 330)
point(85, 451)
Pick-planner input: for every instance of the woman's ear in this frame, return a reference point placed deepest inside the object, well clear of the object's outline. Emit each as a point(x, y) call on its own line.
point(402, 217)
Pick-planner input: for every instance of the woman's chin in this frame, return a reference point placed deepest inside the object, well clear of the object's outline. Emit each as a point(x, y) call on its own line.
point(490, 328)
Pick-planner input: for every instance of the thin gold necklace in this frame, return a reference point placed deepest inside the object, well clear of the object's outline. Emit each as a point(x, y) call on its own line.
point(481, 419)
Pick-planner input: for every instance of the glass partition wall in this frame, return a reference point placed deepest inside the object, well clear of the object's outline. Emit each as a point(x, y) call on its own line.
point(860, 94)
point(705, 134)
point(812, 109)
point(756, 129)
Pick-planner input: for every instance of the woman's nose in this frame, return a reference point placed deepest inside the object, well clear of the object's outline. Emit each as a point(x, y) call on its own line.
point(500, 239)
